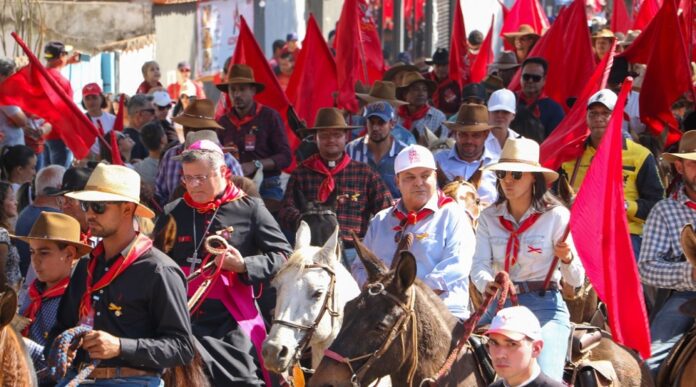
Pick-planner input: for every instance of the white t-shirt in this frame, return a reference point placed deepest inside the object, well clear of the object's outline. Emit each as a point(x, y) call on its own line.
point(14, 135)
point(107, 120)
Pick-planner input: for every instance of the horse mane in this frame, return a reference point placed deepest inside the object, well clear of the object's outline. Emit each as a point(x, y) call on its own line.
point(299, 259)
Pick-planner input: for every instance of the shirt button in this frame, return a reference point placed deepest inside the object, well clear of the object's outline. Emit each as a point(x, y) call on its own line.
point(98, 313)
point(101, 291)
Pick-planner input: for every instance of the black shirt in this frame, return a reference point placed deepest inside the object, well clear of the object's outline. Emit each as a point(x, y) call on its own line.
point(139, 151)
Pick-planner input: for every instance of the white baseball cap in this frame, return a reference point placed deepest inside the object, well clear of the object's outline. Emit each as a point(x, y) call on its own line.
point(414, 156)
point(516, 323)
point(161, 98)
point(502, 99)
point(605, 97)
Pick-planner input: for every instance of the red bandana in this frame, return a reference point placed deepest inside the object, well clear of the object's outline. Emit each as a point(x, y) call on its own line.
point(316, 164)
point(409, 118)
point(414, 217)
point(84, 237)
point(118, 266)
point(239, 122)
point(521, 98)
point(513, 245)
point(231, 193)
point(37, 298)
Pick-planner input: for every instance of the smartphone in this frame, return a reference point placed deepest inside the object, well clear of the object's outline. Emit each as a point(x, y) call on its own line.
point(84, 57)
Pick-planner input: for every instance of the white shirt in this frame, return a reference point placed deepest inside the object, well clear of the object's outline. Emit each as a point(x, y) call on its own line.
point(453, 166)
point(107, 120)
point(536, 248)
point(493, 145)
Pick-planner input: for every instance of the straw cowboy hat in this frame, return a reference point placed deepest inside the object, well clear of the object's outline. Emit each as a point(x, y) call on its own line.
point(330, 118)
point(382, 91)
point(523, 30)
point(471, 117)
point(521, 155)
point(687, 148)
point(413, 77)
point(57, 227)
point(113, 183)
point(396, 68)
point(603, 33)
point(240, 74)
point(200, 113)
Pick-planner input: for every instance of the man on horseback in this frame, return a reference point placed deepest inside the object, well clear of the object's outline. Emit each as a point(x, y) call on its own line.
point(225, 317)
point(443, 242)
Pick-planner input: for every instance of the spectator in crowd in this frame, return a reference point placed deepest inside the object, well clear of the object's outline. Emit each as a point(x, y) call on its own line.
point(532, 99)
point(18, 165)
point(12, 118)
point(125, 148)
point(505, 66)
point(523, 41)
point(473, 93)
point(418, 114)
point(285, 68)
point(291, 44)
point(501, 112)
point(163, 105)
point(94, 101)
point(386, 91)
point(601, 43)
point(59, 55)
point(74, 179)
point(184, 85)
point(277, 48)
point(154, 140)
point(447, 96)
point(140, 111)
point(151, 78)
point(8, 251)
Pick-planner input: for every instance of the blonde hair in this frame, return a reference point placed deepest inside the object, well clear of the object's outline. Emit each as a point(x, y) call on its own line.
point(147, 65)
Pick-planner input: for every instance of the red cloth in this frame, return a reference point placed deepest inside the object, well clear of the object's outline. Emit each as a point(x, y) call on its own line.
point(661, 46)
point(567, 141)
point(37, 298)
point(687, 13)
point(504, 10)
point(174, 90)
point(458, 65)
point(512, 249)
point(316, 164)
point(249, 53)
point(409, 118)
point(314, 75)
point(145, 87)
point(600, 231)
point(238, 122)
point(525, 12)
point(646, 13)
point(479, 69)
point(38, 93)
point(84, 237)
point(414, 217)
point(119, 265)
point(620, 21)
point(230, 194)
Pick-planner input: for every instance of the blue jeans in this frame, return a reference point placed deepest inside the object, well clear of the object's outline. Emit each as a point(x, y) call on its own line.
point(668, 326)
point(146, 381)
point(554, 318)
point(636, 241)
point(58, 153)
point(271, 188)
point(40, 160)
point(348, 258)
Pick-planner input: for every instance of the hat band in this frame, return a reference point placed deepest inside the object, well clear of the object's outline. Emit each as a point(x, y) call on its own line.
point(471, 123)
point(113, 192)
point(197, 116)
point(528, 162)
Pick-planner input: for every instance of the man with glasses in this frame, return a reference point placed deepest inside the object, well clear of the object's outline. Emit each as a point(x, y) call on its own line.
point(163, 105)
point(140, 112)
point(532, 102)
point(184, 84)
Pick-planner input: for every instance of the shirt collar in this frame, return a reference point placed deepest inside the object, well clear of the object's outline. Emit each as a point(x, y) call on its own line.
point(535, 374)
point(502, 210)
point(392, 151)
point(681, 196)
point(487, 156)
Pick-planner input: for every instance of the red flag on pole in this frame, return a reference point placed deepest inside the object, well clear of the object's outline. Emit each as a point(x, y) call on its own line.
point(479, 68)
point(525, 12)
point(458, 68)
point(600, 231)
point(371, 45)
point(249, 53)
point(567, 141)
point(620, 21)
point(647, 12)
point(505, 10)
point(314, 75)
point(687, 13)
point(118, 124)
point(36, 92)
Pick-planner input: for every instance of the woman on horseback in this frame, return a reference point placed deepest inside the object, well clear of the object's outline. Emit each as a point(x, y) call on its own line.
point(521, 233)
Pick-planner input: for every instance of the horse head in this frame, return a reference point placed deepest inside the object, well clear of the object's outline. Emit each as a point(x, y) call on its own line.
point(313, 287)
point(466, 194)
point(320, 217)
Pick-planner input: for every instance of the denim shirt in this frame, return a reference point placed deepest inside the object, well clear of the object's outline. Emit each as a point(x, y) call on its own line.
point(453, 166)
point(358, 151)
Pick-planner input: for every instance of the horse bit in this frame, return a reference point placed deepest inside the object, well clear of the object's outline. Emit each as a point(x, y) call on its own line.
point(398, 329)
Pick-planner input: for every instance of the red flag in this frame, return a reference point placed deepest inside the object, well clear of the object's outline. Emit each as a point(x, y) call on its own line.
point(525, 12)
point(687, 13)
point(458, 68)
point(249, 53)
point(115, 150)
point(314, 75)
point(647, 12)
point(600, 232)
point(567, 141)
point(505, 10)
point(569, 35)
point(38, 93)
point(620, 21)
point(479, 68)
point(118, 124)
point(668, 75)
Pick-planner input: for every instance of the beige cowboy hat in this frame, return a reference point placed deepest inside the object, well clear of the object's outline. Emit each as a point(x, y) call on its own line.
point(113, 183)
point(57, 227)
point(396, 68)
point(507, 60)
point(382, 91)
point(523, 30)
point(413, 77)
point(330, 118)
point(687, 148)
point(603, 33)
point(471, 117)
point(240, 74)
point(521, 155)
point(199, 114)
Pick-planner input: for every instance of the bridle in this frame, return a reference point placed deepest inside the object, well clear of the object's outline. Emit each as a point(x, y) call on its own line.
point(397, 330)
point(325, 308)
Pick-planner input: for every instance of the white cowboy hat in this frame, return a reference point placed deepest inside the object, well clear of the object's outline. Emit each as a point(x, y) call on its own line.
point(687, 148)
point(113, 183)
point(521, 155)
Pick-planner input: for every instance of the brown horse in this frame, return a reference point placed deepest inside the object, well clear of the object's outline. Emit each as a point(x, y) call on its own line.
point(404, 330)
point(16, 368)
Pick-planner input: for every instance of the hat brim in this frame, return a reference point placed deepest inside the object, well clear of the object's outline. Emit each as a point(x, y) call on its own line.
point(391, 73)
point(50, 191)
point(82, 249)
point(505, 66)
point(99, 196)
point(549, 175)
point(672, 157)
point(500, 107)
point(196, 123)
point(430, 84)
point(458, 127)
point(334, 127)
point(225, 86)
point(370, 99)
point(517, 336)
point(510, 36)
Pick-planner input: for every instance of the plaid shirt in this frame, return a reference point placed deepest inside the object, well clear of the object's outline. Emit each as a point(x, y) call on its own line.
point(433, 120)
point(169, 173)
point(361, 194)
point(661, 262)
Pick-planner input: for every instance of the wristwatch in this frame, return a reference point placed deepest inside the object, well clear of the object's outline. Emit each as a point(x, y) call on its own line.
point(258, 164)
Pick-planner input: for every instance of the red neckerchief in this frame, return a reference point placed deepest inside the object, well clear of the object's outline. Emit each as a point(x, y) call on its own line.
point(37, 298)
point(414, 217)
point(409, 118)
point(513, 245)
point(316, 164)
point(84, 237)
point(687, 203)
point(239, 122)
point(145, 87)
point(521, 98)
point(119, 265)
point(231, 193)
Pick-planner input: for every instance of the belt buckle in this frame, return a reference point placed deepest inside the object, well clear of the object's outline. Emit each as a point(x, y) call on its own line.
point(87, 380)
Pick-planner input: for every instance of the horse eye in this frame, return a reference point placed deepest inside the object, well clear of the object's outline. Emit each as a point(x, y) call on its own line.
point(317, 294)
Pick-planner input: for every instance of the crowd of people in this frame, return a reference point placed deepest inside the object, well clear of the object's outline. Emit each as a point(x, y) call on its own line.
point(112, 241)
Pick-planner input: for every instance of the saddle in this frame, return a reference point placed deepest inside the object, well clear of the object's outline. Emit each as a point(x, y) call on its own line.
point(579, 369)
point(673, 366)
point(483, 358)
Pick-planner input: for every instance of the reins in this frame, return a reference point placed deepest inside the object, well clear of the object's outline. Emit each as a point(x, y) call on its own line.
point(208, 270)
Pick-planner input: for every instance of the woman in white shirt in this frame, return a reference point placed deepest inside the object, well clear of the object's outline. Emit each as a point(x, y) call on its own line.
point(94, 101)
point(520, 234)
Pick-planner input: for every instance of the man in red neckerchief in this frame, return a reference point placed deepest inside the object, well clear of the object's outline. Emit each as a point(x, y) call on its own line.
point(55, 247)
point(129, 293)
point(447, 96)
point(226, 319)
point(255, 130)
point(74, 179)
point(532, 101)
point(418, 115)
point(359, 190)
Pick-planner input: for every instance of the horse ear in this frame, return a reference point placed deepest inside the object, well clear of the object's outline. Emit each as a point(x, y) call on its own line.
point(303, 236)
point(475, 179)
point(374, 266)
point(300, 200)
point(404, 244)
point(331, 200)
point(405, 271)
point(330, 251)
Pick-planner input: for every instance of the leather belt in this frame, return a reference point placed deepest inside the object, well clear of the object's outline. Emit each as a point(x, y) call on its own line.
point(534, 286)
point(119, 372)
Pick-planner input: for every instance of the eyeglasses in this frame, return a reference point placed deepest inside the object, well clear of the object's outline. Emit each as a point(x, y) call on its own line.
point(97, 207)
point(64, 201)
point(151, 111)
point(194, 179)
point(515, 174)
point(163, 108)
point(532, 77)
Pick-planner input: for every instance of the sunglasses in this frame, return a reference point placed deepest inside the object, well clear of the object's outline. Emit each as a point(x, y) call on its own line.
point(151, 111)
point(163, 108)
point(515, 174)
point(531, 77)
point(97, 207)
